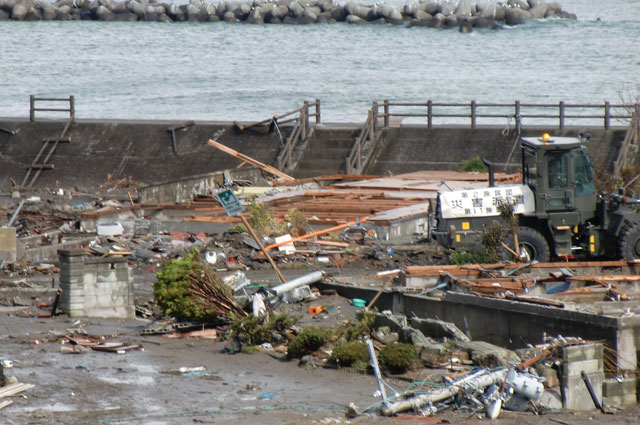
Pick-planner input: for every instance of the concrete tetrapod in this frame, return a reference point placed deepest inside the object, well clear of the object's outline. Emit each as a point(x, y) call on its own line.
point(476, 380)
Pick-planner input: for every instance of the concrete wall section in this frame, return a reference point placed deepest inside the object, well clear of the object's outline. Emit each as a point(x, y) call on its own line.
point(414, 148)
point(140, 150)
point(504, 323)
point(100, 288)
point(183, 190)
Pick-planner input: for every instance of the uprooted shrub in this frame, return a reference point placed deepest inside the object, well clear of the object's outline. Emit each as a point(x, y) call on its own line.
point(261, 220)
point(310, 339)
point(187, 288)
point(350, 354)
point(258, 330)
point(356, 329)
point(398, 357)
point(298, 224)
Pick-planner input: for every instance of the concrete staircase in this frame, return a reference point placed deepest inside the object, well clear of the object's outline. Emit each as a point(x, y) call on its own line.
point(326, 150)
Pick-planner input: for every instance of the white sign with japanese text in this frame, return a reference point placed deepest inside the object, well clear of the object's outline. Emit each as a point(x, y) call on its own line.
point(484, 202)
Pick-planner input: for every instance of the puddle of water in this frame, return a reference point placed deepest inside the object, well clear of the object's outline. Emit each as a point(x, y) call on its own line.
point(143, 380)
point(57, 407)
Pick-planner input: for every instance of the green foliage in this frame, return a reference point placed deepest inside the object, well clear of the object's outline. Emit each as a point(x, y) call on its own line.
point(474, 164)
point(398, 357)
point(350, 354)
point(298, 222)
point(307, 341)
point(250, 349)
point(355, 329)
point(257, 330)
point(463, 256)
point(262, 221)
point(237, 228)
point(171, 290)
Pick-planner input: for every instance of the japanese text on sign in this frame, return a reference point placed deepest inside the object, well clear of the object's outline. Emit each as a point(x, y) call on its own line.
point(484, 202)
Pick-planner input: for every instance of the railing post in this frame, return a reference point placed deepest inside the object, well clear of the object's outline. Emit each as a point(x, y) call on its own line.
point(72, 108)
point(305, 117)
point(561, 114)
point(473, 114)
point(317, 111)
point(374, 119)
point(517, 110)
point(607, 115)
point(386, 113)
point(32, 101)
point(430, 114)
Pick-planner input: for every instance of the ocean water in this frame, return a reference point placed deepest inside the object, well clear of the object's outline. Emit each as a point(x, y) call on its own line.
point(220, 71)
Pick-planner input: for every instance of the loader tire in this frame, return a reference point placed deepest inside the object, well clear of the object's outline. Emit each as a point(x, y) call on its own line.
point(629, 245)
point(532, 241)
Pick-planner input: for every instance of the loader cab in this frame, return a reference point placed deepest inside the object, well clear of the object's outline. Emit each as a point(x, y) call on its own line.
point(558, 170)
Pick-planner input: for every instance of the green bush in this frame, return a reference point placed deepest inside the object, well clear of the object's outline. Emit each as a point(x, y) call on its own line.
point(355, 329)
point(398, 357)
point(353, 353)
point(307, 341)
point(171, 289)
point(257, 330)
point(464, 256)
point(474, 164)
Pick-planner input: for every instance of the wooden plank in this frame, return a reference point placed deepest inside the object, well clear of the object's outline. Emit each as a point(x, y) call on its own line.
point(269, 169)
point(14, 389)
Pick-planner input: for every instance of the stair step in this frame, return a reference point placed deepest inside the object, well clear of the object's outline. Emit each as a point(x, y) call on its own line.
point(56, 139)
point(40, 166)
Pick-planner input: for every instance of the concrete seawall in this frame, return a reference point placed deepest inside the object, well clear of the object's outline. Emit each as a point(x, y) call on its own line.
point(143, 150)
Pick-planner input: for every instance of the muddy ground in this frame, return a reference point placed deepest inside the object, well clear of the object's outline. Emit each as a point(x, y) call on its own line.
point(139, 386)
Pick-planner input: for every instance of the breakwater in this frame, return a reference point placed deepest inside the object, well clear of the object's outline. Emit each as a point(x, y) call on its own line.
point(464, 14)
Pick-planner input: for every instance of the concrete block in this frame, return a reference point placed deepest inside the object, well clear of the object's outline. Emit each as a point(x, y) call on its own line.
point(575, 395)
point(613, 387)
point(8, 244)
point(577, 353)
point(485, 354)
point(620, 401)
point(109, 229)
point(576, 368)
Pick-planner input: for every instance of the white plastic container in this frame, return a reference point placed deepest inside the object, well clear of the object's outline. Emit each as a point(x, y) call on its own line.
point(526, 384)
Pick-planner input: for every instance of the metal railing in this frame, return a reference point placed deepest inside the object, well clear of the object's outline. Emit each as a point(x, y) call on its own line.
point(474, 112)
point(367, 134)
point(300, 132)
point(33, 100)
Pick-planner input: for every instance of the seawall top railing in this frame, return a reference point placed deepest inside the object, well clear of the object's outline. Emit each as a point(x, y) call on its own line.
point(559, 114)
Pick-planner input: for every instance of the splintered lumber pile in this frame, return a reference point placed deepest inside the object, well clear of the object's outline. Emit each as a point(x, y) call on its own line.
point(552, 283)
point(212, 295)
point(12, 389)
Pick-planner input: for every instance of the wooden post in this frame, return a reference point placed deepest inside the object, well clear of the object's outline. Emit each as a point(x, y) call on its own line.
point(266, 254)
point(430, 114)
point(607, 115)
point(304, 115)
point(372, 120)
point(561, 114)
point(473, 114)
point(72, 108)
point(32, 101)
point(317, 111)
point(386, 113)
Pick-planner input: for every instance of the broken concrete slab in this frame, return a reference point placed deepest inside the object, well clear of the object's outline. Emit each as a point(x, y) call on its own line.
point(438, 329)
point(484, 354)
point(8, 244)
point(575, 394)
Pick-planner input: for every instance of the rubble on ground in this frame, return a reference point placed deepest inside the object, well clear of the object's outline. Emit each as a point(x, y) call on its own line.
point(344, 234)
